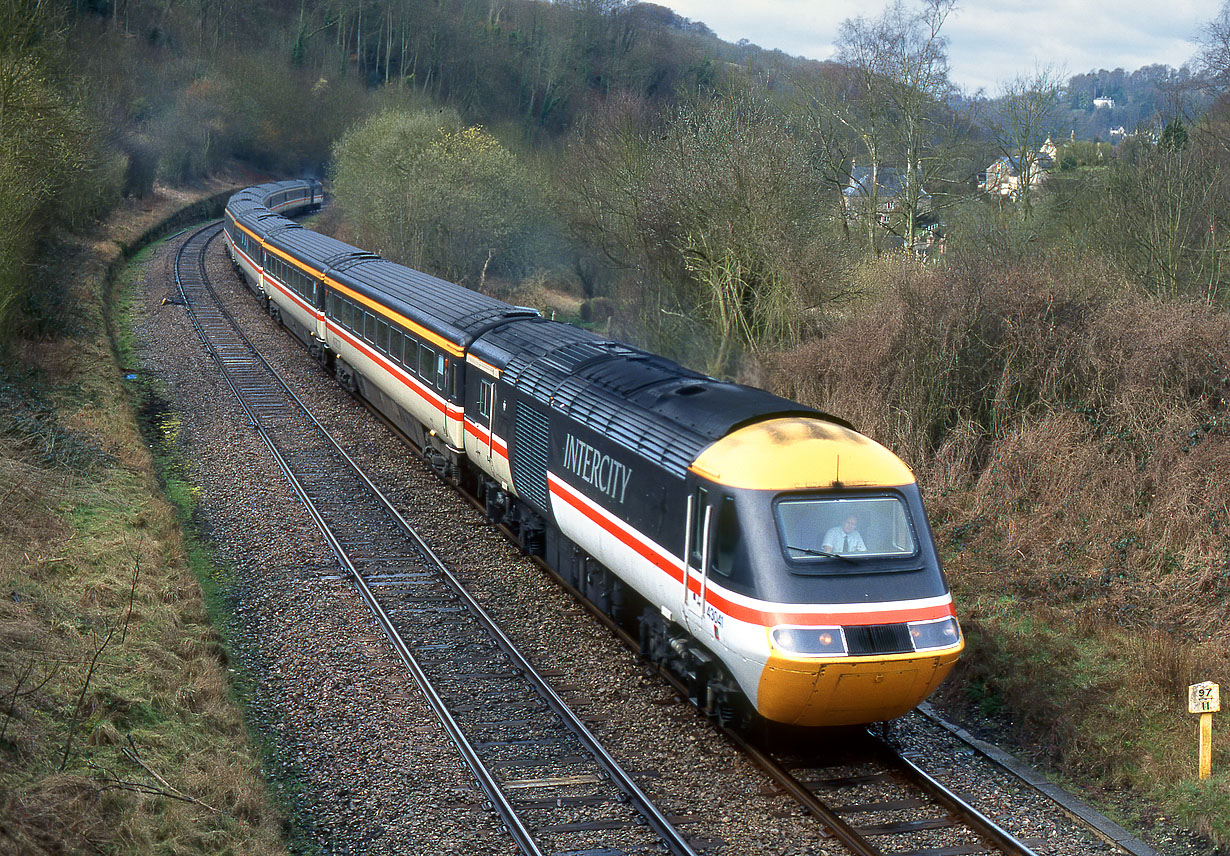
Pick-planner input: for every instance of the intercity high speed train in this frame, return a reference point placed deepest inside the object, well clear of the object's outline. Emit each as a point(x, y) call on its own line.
point(774, 558)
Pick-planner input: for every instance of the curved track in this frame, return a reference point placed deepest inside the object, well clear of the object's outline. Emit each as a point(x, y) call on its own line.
point(546, 776)
point(553, 785)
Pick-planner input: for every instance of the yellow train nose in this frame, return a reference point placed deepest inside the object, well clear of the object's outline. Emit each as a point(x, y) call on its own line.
point(847, 692)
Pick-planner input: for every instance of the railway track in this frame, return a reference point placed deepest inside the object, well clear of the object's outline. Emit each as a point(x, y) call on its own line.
point(556, 789)
point(877, 801)
point(871, 798)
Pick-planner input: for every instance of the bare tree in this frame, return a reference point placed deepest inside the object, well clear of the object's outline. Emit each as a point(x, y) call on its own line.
point(716, 210)
point(1214, 57)
point(893, 103)
point(1020, 121)
point(1165, 220)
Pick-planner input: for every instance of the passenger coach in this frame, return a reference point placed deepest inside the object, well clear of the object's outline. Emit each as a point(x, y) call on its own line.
point(695, 512)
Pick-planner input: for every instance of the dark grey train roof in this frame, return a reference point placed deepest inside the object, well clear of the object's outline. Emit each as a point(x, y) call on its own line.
point(452, 311)
point(262, 193)
point(258, 219)
point(644, 402)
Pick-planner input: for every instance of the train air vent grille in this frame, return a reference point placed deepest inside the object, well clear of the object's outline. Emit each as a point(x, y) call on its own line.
point(529, 456)
point(879, 639)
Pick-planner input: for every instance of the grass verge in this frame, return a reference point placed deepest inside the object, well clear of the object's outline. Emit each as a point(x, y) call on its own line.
point(118, 732)
point(1102, 705)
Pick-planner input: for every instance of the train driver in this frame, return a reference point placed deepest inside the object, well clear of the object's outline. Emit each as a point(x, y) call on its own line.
point(845, 538)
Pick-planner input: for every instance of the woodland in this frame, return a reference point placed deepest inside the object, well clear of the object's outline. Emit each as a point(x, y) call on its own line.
point(1050, 356)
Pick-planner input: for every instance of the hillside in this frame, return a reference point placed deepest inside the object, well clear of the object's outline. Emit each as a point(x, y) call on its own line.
point(1053, 364)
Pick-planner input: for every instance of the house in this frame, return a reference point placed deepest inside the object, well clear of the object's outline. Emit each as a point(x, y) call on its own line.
point(886, 184)
point(1003, 177)
point(1103, 103)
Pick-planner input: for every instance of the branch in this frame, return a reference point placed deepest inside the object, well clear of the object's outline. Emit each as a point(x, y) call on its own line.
point(81, 697)
point(132, 592)
point(111, 781)
point(131, 753)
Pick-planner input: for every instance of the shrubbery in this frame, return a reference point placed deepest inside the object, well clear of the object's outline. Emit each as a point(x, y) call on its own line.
point(1071, 435)
point(1072, 423)
point(425, 190)
point(52, 171)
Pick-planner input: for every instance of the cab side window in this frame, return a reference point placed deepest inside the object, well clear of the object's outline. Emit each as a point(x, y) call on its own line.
point(699, 503)
point(725, 537)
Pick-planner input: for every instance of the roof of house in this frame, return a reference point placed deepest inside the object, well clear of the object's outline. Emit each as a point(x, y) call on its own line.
point(890, 180)
point(1041, 161)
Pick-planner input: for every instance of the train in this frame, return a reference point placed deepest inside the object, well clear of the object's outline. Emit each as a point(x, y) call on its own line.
point(774, 559)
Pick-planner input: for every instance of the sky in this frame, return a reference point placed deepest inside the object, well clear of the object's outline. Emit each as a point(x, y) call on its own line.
point(990, 41)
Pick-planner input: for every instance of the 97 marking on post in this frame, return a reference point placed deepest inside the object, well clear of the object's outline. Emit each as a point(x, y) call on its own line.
point(1205, 699)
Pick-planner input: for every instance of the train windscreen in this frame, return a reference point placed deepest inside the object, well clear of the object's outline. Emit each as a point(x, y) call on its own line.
point(820, 529)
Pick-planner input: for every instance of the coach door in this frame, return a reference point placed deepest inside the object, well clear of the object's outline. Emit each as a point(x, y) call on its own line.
point(486, 411)
point(696, 557)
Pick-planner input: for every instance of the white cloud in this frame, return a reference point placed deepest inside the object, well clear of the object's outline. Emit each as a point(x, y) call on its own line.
point(990, 41)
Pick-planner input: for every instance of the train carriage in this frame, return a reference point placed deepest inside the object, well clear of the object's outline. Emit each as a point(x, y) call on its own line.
point(406, 334)
point(706, 516)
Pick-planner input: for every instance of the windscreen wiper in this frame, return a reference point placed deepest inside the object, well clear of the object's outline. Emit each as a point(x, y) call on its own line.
point(824, 553)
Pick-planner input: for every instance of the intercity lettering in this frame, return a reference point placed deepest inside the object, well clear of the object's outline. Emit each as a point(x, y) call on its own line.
point(602, 471)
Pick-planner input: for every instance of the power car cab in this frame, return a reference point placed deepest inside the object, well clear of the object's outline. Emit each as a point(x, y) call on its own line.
point(810, 554)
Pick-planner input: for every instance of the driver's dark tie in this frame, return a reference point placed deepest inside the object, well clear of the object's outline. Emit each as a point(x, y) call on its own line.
point(845, 543)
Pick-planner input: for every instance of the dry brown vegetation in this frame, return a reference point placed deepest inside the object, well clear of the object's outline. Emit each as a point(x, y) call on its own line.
point(1073, 439)
point(117, 730)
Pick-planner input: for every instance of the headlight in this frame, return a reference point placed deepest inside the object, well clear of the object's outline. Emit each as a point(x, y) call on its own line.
point(810, 641)
point(930, 635)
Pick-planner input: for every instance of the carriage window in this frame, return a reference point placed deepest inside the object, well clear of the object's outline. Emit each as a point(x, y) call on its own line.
point(426, 362)
point(441, 372)
point(369, 326)
point(382, 335)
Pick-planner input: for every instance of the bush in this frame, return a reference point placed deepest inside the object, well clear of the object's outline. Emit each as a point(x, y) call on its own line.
point(427, 191)
point(1072, 432)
